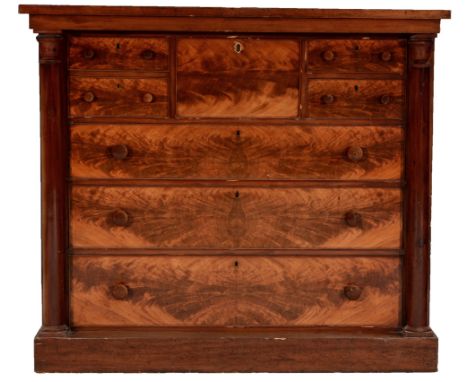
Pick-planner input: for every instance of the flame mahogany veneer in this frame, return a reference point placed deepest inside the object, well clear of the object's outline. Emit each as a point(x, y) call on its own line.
point(235, 189)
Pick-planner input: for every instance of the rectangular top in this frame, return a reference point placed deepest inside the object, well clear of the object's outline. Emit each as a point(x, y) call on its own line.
point(76, 10)
point(60, 18)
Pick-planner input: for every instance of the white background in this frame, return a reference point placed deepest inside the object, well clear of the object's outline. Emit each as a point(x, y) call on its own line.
point(20, 296)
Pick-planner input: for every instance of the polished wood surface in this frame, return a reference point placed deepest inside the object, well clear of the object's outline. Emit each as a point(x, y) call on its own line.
point(118, 53)
point(116, 97)
point(248, 188)
point(236, 151)
point(418, 195)
point(238, 95)
point(375, 99)
point(226, 291)
point(356, 56)
point(190, 217)
point(219, 55)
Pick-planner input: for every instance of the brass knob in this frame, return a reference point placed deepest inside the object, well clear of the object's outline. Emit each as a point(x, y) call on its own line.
point(386, 56)
point(355, 153)
point(88, 54)
point(385, 99)
point(352, 292)
point(119, 151)
point(119, 291)
point(120, 218)
point(89, 97)
point(353, 219)
point(238, 47)
point(328, 55)
point(328, 99)
point(148, 54)
point(148, 98)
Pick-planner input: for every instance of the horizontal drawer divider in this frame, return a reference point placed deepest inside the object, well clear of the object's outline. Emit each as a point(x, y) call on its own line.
point(290, 183)
point(118, 73)
point(241, 121)
point(233, 252)
point(353, 76)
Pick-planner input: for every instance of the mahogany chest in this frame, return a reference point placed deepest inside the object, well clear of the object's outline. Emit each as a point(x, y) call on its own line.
point(235, 189)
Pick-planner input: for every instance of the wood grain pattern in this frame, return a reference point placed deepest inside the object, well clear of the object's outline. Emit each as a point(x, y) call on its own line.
point(210, 217)
point(118, 53)
point(118, 97)
point(201, 151)
point(225, 291)
point(356, 56)
point(355, 99)
point(217, 55)
point(238, 95)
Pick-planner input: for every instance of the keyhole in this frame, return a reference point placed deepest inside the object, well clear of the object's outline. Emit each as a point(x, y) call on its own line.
point(118, 86)
point(117, 46)
point(236, 263)
point(238, 133)
point(237, 194)
point(356, 47)
point(356, 88)
point(238, 47)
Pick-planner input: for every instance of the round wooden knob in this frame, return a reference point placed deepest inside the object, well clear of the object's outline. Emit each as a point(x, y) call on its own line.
point(352, 292)
point(120, 218)
point(355, 153)
point(88, 54)
point(119, 151)
point(148, 54)
point(148, 98)
point(119, 291)
point(386, 56)
point(89, 97)
point(238, 47)
point(328, 55)
point(353, 219)
point(328, 99)
point(385, 99)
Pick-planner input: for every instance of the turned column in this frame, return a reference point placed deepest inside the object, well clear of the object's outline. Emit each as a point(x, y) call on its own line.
point(53, 181)
point(418, 183)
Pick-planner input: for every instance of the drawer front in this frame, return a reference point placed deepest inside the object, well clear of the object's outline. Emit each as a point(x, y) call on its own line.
point(236, 151)
point(356, 56)
point(225, 217)
point(236, 78)
point(118, 97)
point(238, 95)
point(118, 53)
point(219, 55)
point(229, 291)
point(361, 99)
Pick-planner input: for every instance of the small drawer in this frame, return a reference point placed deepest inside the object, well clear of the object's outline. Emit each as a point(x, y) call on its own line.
point(118, 97)
point(118, 53)
point(241, 291)
point(219, 55)
point(356, 56)
point(228, 217)
point(199, 151)
point(360, 99)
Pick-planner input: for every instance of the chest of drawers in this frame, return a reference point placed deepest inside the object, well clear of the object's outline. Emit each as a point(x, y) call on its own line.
point(235, 189)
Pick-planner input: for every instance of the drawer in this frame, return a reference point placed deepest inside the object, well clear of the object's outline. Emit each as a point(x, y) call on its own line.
point(200, 151)
point(360, 99)
point(237, 78)
point(118, 53)
point(238, 95)
point(235, 291)
point(356, 56)
point(244, 217)
point(118, 97)
point(219, 55)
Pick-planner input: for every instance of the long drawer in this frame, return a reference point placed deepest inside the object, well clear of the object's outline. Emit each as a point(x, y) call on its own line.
point(230, 291)
point(188, 151)
point(228, 217)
